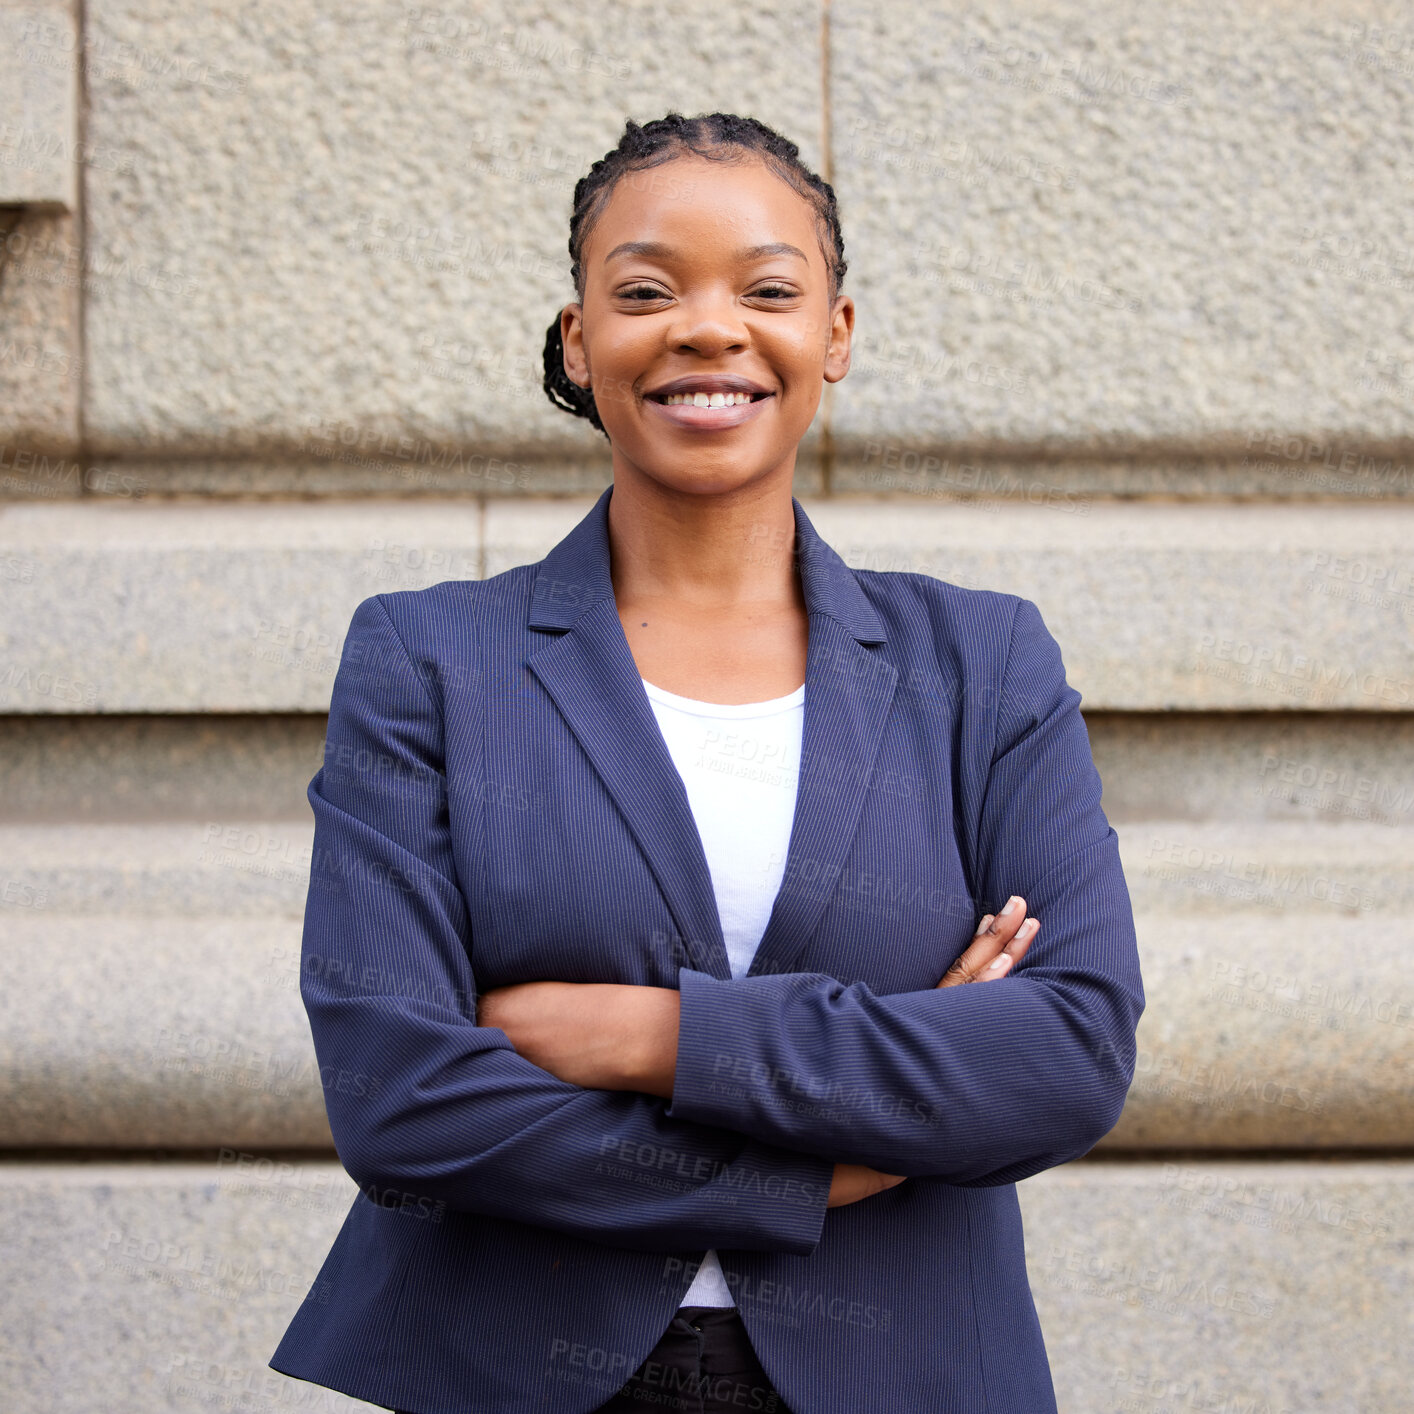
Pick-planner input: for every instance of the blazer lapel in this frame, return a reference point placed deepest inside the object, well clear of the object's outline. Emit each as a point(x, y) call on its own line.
point(844, 722)
point(595, 683)
point(589, 672)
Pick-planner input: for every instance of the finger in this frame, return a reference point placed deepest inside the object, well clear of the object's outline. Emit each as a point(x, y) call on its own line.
point(1014, 930)
point(966, 965)
point(972, 960)
point(1015, 949)
point(1008, 919)
point(993, 933)
point(992, 955)
point(1025, 935)
point(984, 947)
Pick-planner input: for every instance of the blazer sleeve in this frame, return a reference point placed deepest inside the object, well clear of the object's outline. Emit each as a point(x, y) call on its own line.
point(981, 1084)
point(422, 1101)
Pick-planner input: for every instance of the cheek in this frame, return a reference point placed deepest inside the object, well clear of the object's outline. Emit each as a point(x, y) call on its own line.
point(801, 348)
point(614, 360)
point(613, 396)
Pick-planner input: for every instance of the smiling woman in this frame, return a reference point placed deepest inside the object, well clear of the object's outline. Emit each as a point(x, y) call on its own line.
point(689, 1059)
point(709, 318)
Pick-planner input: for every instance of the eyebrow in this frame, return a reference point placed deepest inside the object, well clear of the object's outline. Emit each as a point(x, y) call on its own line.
point(658, 250)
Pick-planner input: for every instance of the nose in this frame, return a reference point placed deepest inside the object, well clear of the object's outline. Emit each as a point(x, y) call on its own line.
point(709, 324)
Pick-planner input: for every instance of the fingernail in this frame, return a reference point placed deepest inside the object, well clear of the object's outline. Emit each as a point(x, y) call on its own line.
point(1010, 906)
point(985, 923)
point(999, 961)
point(1026, 927)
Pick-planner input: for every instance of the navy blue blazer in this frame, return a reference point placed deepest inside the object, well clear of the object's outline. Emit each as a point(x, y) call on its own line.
point(496, 804)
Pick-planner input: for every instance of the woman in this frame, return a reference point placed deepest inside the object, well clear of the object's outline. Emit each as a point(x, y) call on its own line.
point(634, 874)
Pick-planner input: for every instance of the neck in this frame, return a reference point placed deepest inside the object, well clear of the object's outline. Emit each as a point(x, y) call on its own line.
point(706, 551)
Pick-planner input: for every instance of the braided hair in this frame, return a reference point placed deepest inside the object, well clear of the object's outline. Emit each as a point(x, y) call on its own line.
point(717, 136)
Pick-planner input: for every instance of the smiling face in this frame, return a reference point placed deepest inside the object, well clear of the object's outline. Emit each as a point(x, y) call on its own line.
point(706, 278)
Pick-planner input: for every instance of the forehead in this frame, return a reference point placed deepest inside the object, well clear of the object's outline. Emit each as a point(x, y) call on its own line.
point(699, 206)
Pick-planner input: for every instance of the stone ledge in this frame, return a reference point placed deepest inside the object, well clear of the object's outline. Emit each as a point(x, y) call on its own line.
point(1271, 466)
point(150, 1031)
point(40, 156)
point(1258, 768)
point(1212, 1284)
point(145, 768)
point(153, 983)
point(181, 607)
point(1179, 607)
point(1190, 871)
point(41, 354)
point(138, 1286)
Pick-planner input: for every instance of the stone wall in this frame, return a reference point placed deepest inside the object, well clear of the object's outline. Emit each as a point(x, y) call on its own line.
point(1134, 340)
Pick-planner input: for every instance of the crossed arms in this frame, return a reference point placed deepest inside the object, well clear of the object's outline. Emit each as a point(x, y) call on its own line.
point(1007, 1080)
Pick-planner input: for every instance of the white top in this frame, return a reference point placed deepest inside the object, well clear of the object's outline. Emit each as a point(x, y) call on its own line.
point(740, 764)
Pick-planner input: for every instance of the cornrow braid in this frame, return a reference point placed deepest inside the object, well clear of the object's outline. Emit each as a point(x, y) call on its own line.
point(717, 136)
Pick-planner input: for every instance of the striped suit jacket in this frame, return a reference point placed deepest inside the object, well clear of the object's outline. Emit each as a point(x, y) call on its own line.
point(496, 804)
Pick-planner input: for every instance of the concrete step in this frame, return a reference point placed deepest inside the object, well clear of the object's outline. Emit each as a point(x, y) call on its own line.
point(185, 607)
point(141, 768)
point(1314, 768)
point(1354, 869)
point(151, 985)
point(144, 1031)
point(182, 1277)
point(225, 867)
point(216, 869)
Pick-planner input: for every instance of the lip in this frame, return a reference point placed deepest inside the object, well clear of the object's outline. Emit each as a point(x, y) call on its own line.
point(707, 383)
point(696, 419)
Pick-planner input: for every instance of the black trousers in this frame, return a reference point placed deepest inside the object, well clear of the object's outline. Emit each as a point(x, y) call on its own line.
point(704, 1364)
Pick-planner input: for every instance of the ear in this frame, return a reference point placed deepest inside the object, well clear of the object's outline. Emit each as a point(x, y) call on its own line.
point(841, 334)
point(572, 337)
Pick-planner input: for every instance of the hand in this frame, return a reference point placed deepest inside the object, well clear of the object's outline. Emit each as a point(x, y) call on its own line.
point(1005, 937)
point(999, 943)
point(851, 1182)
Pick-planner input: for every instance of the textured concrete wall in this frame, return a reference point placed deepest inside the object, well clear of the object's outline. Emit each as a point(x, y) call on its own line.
point(1135, 339)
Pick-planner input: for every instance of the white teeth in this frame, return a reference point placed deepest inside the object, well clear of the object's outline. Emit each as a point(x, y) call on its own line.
point(706, 400)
